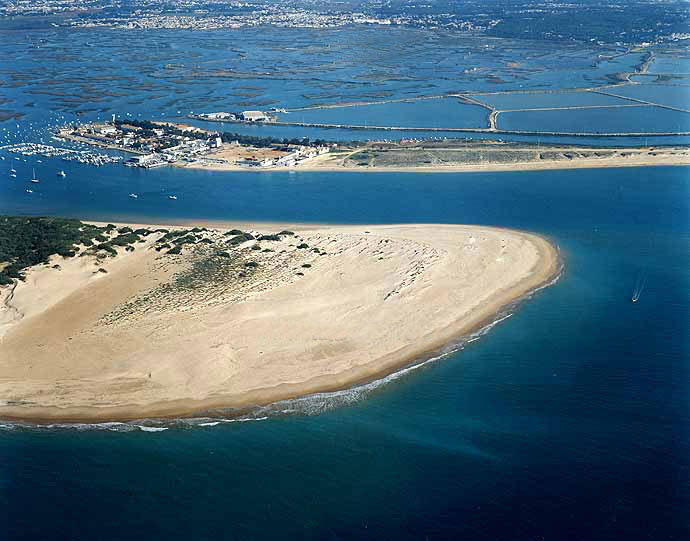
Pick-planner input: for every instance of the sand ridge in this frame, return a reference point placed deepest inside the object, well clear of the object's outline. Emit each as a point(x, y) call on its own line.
point(164, 335)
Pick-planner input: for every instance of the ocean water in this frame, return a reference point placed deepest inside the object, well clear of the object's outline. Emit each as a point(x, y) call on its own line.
point(568, 420)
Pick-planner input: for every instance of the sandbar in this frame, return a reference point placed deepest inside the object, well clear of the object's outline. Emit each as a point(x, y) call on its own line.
point(156, 335)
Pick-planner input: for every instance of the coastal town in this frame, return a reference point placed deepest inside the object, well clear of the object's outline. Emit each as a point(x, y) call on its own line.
point(159, 144)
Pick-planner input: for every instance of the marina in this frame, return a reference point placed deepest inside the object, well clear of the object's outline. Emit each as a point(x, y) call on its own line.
point(87, 157)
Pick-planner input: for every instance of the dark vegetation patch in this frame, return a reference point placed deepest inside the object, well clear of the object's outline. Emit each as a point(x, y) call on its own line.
point(28, 241)
point(239, 239)
point(269, 237)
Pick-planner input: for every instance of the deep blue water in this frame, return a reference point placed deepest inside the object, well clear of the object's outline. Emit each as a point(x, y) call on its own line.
point(568, 420)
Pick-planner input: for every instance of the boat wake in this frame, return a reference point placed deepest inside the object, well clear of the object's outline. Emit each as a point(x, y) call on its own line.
point(639, 288)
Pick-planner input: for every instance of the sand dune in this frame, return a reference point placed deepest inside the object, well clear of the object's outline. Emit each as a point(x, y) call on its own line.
point(173, 335)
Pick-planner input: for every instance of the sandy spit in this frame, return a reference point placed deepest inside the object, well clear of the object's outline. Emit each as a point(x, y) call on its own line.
point(381, 298)
point(318, 165)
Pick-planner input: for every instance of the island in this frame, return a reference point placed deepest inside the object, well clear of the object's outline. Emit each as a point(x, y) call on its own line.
point(157, 144)
point(116, 322)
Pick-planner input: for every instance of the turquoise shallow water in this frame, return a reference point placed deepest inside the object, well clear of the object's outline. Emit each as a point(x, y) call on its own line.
point(568, 420)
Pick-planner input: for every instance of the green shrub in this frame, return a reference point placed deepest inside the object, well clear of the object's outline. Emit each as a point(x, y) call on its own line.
point(105, 247)
point(251, 264)
point(187, 239)
point(239, 239)
point(125, 239)
point(302, 246)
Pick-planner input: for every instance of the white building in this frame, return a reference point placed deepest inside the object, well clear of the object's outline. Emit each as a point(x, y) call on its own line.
point(254, 116)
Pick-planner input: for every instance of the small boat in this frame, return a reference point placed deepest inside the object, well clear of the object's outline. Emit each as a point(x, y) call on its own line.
point(33, 177)
point(29, 191)
point(133, 195)
point(639, 287)
point(61, 174)
point(174, 197)
point(13, 172)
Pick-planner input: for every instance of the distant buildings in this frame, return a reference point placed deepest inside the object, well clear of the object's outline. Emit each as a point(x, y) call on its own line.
point(244, 116)
point(158, 144)
point(254, 116)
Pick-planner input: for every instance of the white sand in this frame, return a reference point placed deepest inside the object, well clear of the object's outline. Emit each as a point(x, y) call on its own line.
point(382, 297)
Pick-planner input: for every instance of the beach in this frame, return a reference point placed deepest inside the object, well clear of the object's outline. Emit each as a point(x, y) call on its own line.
point(610, 158)
point(322, 309)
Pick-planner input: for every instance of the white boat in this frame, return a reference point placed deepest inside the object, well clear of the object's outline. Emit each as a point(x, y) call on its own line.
point(33, 177)
point(29, 191)
point(133, 195)
point(13, 171)
point(639, 287)
point(172, 197)
point(62, 174)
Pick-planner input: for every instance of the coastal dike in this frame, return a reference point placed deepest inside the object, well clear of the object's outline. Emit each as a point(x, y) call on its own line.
point(231, 319)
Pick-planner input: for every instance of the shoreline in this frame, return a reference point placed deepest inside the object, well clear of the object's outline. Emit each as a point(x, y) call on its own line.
point(602, 163)
point(545, 271)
